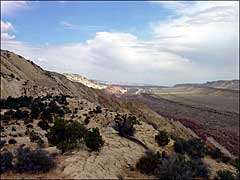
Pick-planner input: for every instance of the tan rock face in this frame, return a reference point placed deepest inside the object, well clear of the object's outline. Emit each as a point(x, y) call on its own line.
point(116, 155)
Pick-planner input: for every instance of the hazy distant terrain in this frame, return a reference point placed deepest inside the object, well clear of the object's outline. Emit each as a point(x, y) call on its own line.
point(208, 111)
point(219, 99)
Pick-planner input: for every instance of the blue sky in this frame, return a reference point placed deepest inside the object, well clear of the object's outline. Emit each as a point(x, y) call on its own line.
point(44, 20)
point(146, 42)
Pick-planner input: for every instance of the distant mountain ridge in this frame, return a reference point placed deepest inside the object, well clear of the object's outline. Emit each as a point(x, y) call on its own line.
point(220, 84)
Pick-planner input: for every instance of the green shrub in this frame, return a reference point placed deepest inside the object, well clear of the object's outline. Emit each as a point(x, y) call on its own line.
point(47, 115)
point(35, 112)
point(195, 148)
point(40, 143)
point(162, 138)
point(6, 161)
point(12, 75)
point(33, 160)
point(237, 164)
point(66, 135)
point(225, 159)
point(147, 164)
point(174, 167)
point(124, 124)
point(75, 131)
point(10, 114)
point(94, 140)
point(34, 137)
point(224, 175)
point(98, 110)
point(43, 125)
point(56, 134)
point(21, 114)
point(215, 153)
point(179, 146)
point(12, 141)
point(87, 120)
point(2, 143)
point(180, 168)
point(29, 126)
point(13, 128)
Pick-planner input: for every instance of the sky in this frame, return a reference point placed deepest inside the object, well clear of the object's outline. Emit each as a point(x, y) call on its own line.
point(151, 42)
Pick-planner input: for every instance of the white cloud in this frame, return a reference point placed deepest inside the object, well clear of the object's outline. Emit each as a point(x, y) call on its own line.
point(10, 7)
point(107, 56)
point(6, 36)
point(206, 33)
point(6, 26)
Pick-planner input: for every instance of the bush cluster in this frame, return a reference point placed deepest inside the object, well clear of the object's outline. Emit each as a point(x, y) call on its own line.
point(12, 141)
point(93, 139)
point(27, 160)
point(66, 135)
point(174, 167)
point(124, 124)
point(15, 103)
point(37, 160)
point(224, 175)
point(147, 164)
point(98, 110)
point(2, 143)
point(15, 115)
point(34, 137)
point(194, 147)
point(43, 125)
point(41, 107)
point(6, 161)
point(162, 138)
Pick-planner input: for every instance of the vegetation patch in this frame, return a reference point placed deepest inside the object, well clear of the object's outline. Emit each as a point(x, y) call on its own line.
point(224, 175)
point(124, 124)
point(6, 161)
point(162, 138)
point(93, 139)
point(37, 160)
point(174, 167)
point(66, 135)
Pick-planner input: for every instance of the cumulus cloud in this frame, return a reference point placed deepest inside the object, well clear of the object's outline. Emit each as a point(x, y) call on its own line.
point(5, 28)
point(6, 36)
point(107, 56)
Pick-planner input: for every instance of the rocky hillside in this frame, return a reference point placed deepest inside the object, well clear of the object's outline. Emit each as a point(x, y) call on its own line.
point(23, 77)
